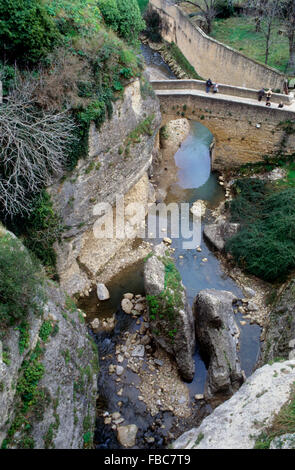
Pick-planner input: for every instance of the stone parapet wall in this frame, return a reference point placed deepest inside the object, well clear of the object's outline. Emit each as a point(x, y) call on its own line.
point(199, 85)
point(211, 58)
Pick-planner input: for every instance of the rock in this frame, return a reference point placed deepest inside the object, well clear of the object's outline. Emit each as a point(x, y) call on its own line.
point(138, 351)
point(292, 343)
point(199, 396)
point(281, 326)
point(219, 233)
point(217, 333)
point(167, 240)
point(127, 435)
point(237, 423)
point(286, 441)
point(182, 344)
point(95, 324)
point(120, 358)
point(198, 208)
point(116, 415)
point(249, 292)
point(102, 292)
point(292, 354)
point(158, 362)
point(127, 306)
point(119, 370)
point(128, 296)
point(252, 306)
point(139, 307)
point(145, 340)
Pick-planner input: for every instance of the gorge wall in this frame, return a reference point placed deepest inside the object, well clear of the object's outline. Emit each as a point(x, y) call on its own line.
point(59, 409)
point(120, 154)
point(209, 57)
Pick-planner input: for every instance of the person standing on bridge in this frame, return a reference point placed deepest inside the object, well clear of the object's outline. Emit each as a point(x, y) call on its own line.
point(261, 94)
point(208, 85)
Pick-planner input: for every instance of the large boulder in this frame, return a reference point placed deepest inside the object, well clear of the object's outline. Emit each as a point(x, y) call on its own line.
point(171, 318)
point(237, 423)
point(218, 336)
point(280, 330)
point(218, 234)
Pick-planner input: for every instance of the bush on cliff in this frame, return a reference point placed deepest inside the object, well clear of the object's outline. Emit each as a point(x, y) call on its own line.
point(123, 17)
point(265, 245)
point(20, 282)
point(27, 33)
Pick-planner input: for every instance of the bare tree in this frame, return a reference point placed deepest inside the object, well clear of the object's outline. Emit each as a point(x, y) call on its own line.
point(288, 17)
point(208, 9)
point(34, 146)
point(269, 18)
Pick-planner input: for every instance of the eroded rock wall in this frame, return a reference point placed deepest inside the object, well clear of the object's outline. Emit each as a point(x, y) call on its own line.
point(120, 154)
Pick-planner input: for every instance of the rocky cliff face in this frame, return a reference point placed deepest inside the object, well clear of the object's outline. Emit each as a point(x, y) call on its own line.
point(280, 331)
point(218, 336)
point(120, 154)
point(171, 318)
point(48, 386)
point(237, 423)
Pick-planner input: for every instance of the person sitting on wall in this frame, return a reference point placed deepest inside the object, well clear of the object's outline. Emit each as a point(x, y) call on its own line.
point(268, 97)
point(208, 85)
point(215, 88)
point(261, 94)
point(281, 105)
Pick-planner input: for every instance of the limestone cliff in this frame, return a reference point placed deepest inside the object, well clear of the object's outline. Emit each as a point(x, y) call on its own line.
point(280, 331)
point(238, 422)
point(48, 374)
point(120, 155)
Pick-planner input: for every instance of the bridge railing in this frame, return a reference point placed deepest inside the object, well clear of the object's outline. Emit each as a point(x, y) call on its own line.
point(199, 85)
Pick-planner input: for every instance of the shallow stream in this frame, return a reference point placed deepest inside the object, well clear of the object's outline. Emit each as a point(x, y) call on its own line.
point(195, 181)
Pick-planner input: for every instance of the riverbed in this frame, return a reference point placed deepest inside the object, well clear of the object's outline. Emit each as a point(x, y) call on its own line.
point(199, 270)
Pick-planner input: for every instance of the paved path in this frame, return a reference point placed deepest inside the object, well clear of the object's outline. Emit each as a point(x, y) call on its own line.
point(231, 98)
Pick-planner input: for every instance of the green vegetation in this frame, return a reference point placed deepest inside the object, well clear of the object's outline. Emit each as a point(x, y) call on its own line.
point(27, 33)
point(144, 128)
point(265, 244)
point(45, 330)
point(21, 289)
point(182, 61)
point(24, 336)
point(163, 307)
point(40, 230)
point(123, 17)
point(283, 423)
point(142, 4)
point(239, 33)
point(29, 395)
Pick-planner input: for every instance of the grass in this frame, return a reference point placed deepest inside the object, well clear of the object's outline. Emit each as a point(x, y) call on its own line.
point(283, 423)
point(239, 33)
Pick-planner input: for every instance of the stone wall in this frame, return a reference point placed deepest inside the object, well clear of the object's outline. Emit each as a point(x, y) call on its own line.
point(243, 132)
point(199, 85)
point(209, 57)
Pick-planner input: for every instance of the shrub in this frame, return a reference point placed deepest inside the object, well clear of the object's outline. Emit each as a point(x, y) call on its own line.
point(123, 17)
point(265, 245)
point(75, 17)
point(27, 33)
point(33, 148)
point(20, 282)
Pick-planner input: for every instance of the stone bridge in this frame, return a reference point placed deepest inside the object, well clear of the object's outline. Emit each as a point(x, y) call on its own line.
point(244, 129)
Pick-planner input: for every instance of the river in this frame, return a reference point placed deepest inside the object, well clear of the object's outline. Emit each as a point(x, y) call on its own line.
point(195, 181)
